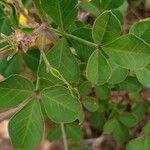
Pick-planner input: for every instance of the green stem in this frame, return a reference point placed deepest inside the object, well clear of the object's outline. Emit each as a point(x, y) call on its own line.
point(38, 79)
point(52, 70)
point(64, 136)
point(74, 37)
point(42, 55)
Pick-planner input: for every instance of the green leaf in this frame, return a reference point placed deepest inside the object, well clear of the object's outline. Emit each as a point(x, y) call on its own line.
point(119, 131)
point(11, 67)
point(142, 29)
point(62, 12)
point(61, 58)
point(105, 106)
point(111, 4)
point(118, 75)
point(130, 84)
point(59, 104)
point(12, 12)
point(146, 128)
point(14, 17)
point(90, 104)
point(81, 116)
point(140, 110)
point(140, 143)
point(103, 91)
point(27, 3)
point(74, 132)
point(98, 70)
point(14, 90)
point(129, 52)
point(5, 26)
point(83, 50)
point(44, 83)
point(55, 134)
point(143, 75)
point(31, 58)
point(26, 128)
point(77, 25)
point(42, 73)
point(128, 119)
point(97, 120)
point(85, 88)
point(91, 7)
point(119, 15)
point(106, 28)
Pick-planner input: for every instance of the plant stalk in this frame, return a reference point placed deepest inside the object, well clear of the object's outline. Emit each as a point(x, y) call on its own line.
point(42, 55)
point(64, 136)
point(74, 37)
point(50, 69)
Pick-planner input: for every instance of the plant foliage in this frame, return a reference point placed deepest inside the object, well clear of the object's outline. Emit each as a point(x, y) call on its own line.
point(58, 66)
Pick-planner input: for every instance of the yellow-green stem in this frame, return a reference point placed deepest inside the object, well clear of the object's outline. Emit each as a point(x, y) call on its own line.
point(64, 136)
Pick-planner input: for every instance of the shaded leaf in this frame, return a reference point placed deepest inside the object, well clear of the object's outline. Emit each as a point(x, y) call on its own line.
point(5, 26)
point(146, 128)
point(12, 66)
point(74, 132)
point(90, 104)
point(139, 143)
point(85, 88)
point(130, 84)
point(103, 91)
point(55, 134)
point(128, 119)
point(140, 110)
point(119, 131)
point(31, 58)
point(97, 120)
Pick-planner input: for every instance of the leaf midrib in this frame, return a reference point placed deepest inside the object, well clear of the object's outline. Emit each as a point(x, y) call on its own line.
point(28, 124)
point(65, 106)
point(60, 14)
point(16, 89)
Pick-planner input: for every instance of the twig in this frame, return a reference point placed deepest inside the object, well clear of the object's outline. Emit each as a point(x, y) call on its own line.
point(98, 142)
point(94, 142)
point(135, 13)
